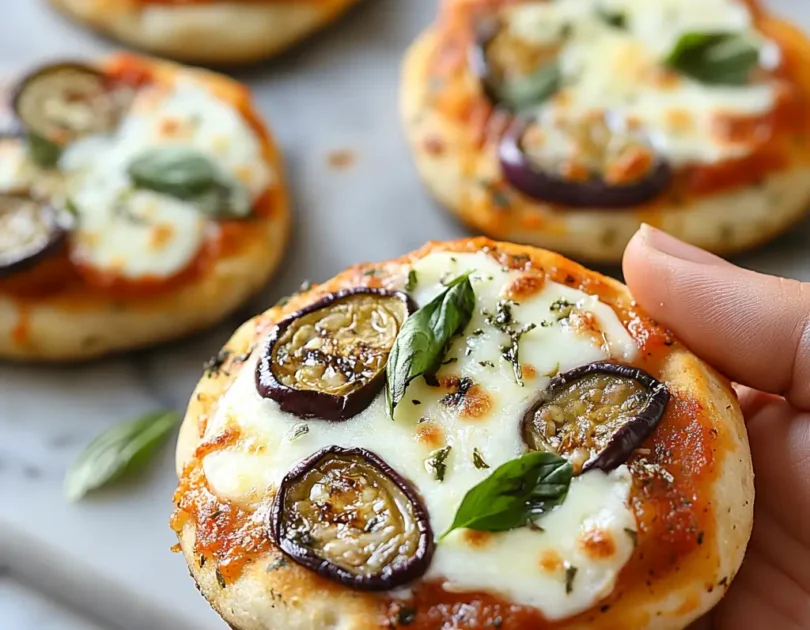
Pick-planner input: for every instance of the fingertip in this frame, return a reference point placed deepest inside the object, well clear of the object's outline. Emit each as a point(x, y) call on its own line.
point(755, 328)
point(635, 255)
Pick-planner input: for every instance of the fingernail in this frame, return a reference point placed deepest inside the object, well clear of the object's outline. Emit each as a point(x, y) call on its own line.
point(671, 246)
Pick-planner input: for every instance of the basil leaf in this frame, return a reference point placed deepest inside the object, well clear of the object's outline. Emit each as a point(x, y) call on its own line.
point(225, 200)
point(174, 170)
point(715, 58)
point(612, 18)
point(189, 175)
point(420, 345)
point(521, 92)
point(515, 493)
point(42, 151)
point(121, 449)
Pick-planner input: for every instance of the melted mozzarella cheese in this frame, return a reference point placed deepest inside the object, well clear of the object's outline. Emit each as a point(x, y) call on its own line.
point(525, 566)
point(143, 234)
point(140, 233)
point(620, 70)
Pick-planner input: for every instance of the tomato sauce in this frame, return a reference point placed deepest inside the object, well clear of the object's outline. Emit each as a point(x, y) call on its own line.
point(71, 283)
point(226, 535)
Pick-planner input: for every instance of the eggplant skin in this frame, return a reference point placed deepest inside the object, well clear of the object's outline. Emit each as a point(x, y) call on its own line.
point(533, 182)
point(414, 568)
point(633, 433)
point(311, 403)
point(57, 238)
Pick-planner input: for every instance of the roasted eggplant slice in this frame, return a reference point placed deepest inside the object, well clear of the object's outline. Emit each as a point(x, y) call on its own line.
point(514, 74)
point(328, 360)
point(596, 415)
point(61, 103)
point(29, 231)
point(347, 515)
point(583, 163)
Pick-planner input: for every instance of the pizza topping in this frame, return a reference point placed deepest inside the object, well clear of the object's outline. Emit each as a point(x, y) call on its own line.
point(715, 58)
point(190, 175)
point(347, 515)
point(672, 69)
point(516, 494)
point(29, 231)
point(60, 103)
point(514, 73)
point(140, 215)
point(328, 360)
point(430, 418)
point(596, 415)
point(420, 345)
point(582, 163)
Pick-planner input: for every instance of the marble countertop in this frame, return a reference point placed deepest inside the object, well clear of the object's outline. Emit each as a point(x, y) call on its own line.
point(105, 563)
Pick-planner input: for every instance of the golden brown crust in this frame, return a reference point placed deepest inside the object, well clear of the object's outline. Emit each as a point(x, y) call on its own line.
point(217, 32)
point(68, 328)
point(290, 597)
point(453, 165)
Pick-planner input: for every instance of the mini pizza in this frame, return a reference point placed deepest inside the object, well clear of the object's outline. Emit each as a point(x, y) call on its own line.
point(139, 201)
point(567, 123)
point(207, 31)
point(477, 435)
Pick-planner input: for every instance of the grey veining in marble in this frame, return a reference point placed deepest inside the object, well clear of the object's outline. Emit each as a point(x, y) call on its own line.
point(110, 555)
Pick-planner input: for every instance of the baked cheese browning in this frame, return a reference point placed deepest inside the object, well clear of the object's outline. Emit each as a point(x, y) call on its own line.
point(589, 148)
point(347, 515)
point(597, 414)
point(653, 519)
point(612, 58)
point(132, 235)
point(328, 360)
point(582, 164)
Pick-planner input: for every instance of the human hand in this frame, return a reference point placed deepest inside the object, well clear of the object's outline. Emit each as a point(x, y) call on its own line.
point(755, 329)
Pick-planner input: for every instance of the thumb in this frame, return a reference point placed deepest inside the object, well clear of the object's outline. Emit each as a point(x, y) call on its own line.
point(754, 328)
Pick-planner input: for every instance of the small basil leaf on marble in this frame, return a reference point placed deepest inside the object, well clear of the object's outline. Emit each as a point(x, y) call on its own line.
point(42, 151)
point(421, 343)
point(515, 494)
point(173, 170)
point(524, 91)
point(121, 449)
point(715, 58)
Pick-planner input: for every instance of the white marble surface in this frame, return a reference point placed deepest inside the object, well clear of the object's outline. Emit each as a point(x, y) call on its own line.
point(108, 559)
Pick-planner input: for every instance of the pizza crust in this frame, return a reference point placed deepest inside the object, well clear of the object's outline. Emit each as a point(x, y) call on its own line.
point(216, 32)
point(725, 223)
point(303, 600)
point(66, 329)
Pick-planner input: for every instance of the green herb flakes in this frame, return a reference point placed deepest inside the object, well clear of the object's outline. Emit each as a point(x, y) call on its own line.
point(412, 281)
point(570, 574)
point(478, 459)
point(436, 463)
